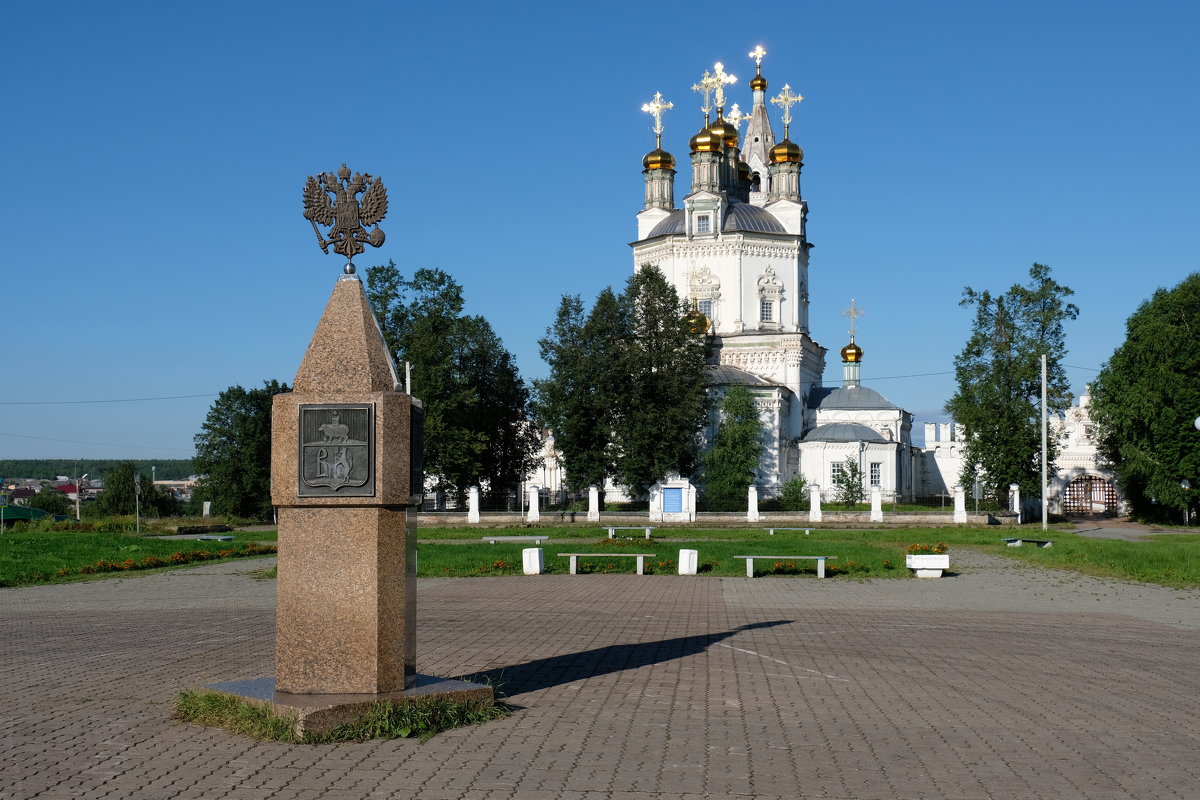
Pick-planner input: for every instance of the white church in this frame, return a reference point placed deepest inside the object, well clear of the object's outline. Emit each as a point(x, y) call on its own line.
point(736, 249)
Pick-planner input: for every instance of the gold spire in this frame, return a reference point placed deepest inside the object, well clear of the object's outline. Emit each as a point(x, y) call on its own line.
point(658, 158)
point(758, 83)
point(852, 352)
point(786, 150)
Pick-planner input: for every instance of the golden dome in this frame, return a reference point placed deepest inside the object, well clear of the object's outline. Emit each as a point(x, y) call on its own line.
point(786, 151)
point(852, 353)
point(696, 321)
point(658, 159)
point(706, 141)
point(758, 83)
point(725, 131)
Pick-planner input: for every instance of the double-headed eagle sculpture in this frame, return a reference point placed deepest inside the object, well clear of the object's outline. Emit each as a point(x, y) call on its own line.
point(332, 200)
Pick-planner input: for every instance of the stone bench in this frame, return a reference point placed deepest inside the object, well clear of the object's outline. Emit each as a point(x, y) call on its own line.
point(641, 559)
point(771, 531)
point(819, 559)
point(534, 539)
point(612, 531)
point(1017, 541)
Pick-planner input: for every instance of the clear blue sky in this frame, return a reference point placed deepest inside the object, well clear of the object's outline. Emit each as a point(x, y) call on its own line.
point(155, 245)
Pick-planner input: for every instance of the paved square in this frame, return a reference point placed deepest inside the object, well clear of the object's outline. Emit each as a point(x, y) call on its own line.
point(1001, 682)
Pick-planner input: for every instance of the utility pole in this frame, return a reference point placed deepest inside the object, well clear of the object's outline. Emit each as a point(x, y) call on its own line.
point(79, 493)
point(1045, 511)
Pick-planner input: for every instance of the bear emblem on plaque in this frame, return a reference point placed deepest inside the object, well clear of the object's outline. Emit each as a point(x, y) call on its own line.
point(336, 450)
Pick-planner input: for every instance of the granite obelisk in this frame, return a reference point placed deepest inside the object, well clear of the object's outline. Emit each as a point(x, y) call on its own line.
point(345, 466)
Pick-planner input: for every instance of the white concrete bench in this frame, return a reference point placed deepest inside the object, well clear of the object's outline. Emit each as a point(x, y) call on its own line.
point(641, 559)
point(612, 531)
point(819, 559)
point(534, 539)
point(1018, 541)
point(771, 531)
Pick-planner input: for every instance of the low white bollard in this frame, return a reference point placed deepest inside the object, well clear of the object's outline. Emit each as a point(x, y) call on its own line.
point(688, 561)
point(531, 560)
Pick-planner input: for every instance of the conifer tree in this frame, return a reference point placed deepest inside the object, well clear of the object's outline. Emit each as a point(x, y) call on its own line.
point(1146, 401)
point(998, 401)
point(730, 465)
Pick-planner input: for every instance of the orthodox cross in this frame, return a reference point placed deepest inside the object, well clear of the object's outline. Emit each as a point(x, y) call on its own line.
point(657, 107)
point(705, 87)
point(786, 99)
point(757, 54)
point(721, 79)
point(853, 312)
point(735, 116)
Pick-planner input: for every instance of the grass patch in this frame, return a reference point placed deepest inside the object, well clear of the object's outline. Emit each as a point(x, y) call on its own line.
point(1170, 560)
point(422, 718)
point(34, 558)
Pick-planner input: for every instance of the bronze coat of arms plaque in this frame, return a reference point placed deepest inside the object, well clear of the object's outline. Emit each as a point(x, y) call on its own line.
point(337, 450)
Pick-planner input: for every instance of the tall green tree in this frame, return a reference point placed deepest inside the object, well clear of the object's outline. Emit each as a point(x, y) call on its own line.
point(662, 403)
point(120, 495)
point(730, 465)
point(575, 401)
point(477, 428)
point(625, 397)
point(1147, 398)
point(233, 452)
point(998, 372)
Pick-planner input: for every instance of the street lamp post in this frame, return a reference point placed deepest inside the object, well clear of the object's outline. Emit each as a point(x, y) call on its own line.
point(79, 494)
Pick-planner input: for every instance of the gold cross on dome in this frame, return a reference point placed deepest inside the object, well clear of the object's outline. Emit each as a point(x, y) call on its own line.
point(757, 54)
point(656, 107)
point(706, 87)
point(786, 99)
point(853, 312)
point(722, 79)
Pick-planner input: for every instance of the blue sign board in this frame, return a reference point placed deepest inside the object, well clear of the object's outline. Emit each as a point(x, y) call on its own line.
point(672, 501)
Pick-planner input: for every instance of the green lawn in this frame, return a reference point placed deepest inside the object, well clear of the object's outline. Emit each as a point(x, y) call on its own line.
point(28, 558)
point(1169, 560)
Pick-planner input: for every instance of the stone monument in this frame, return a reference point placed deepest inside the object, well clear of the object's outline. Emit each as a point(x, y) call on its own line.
point(346, 478)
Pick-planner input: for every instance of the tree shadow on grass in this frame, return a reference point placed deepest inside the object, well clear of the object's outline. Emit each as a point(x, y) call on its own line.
point(557, 670)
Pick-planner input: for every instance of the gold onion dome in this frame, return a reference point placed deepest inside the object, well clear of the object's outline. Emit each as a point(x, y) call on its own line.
point(758, 83)
point(706, 141)
point(658, 159)
point(786, 152)
point(852, 353)
point(695, 321)
point(727, 133)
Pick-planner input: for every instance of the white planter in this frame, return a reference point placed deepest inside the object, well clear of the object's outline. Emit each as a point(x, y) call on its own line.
point(927, 565)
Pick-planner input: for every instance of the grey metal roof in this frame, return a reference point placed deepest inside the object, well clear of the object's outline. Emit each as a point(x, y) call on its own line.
point(843, 432)
point(738, 217)
point(723, 374)
point(673, 223)
point(847, 397)
point(745, 217)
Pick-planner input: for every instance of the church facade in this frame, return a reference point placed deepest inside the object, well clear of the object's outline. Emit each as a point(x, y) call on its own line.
point(737, 249)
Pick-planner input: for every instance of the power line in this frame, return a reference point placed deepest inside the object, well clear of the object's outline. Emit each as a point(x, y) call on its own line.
point(917, 375)
point(1089, 369)
point(102, 444)
point(87, 402)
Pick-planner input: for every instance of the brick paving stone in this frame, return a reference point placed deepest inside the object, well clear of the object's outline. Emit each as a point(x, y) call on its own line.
point(1003, 681)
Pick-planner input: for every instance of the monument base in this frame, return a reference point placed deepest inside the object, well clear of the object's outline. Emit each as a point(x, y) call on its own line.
point(320, 713)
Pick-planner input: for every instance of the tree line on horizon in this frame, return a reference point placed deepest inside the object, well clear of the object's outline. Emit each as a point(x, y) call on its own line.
point(48, 469)
point(627, 402)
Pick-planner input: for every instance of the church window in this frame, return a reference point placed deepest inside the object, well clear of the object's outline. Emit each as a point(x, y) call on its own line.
point(876, 470)
point(837, 470)
point(703, 223)
point(766, 311)
point(706, 308)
